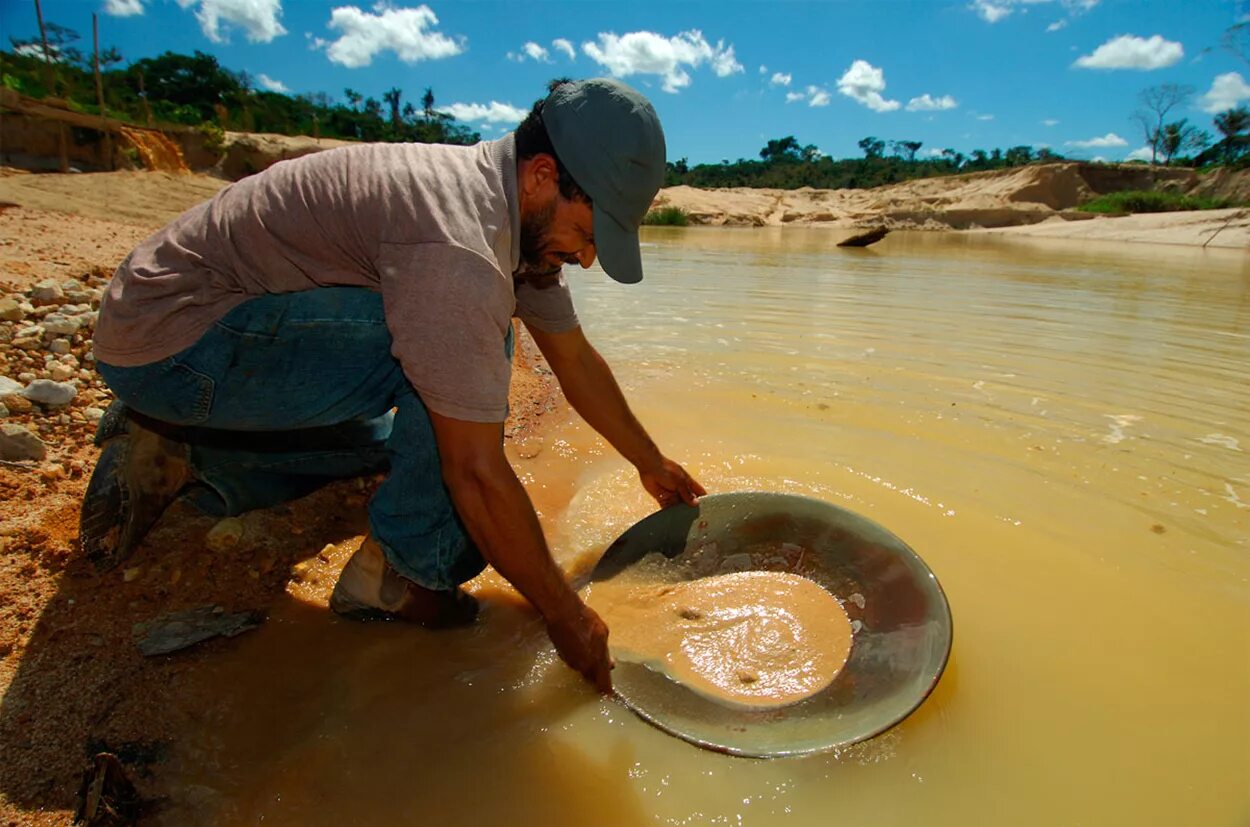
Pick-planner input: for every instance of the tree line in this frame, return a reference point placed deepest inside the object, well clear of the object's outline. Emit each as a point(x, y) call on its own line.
point(196, 89)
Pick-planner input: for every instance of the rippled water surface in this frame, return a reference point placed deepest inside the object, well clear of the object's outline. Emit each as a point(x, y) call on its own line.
point(1061, 431)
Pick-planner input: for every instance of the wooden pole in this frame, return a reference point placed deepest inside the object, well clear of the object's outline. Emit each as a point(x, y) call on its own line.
point(99, 93)
point(47, 62)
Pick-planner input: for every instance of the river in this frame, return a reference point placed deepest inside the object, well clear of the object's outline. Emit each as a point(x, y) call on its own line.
point(1061, 431)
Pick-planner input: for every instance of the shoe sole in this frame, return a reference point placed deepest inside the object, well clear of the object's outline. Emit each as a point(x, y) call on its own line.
point(106, 508)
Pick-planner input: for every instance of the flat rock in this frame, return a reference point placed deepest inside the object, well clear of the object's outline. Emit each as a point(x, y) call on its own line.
point(17, 444)
point(59, 325)
point(180, 630)
point(52, 394)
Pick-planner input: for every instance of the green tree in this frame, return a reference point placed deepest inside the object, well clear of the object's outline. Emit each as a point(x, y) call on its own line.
point(782, 149)
point(1180, 136)
point(872, 147)
point(392, 97)
point(1233, 124)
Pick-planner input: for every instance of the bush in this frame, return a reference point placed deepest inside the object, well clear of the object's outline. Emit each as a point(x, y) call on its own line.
point(666, 217)
point(213, 136)
point(1133, 201)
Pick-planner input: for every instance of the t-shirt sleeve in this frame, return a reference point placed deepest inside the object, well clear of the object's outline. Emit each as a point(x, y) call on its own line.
point(549, 310)
point(448, 310)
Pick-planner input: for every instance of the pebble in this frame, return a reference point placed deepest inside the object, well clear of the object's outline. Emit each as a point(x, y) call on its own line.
point(25, 378)
point(61, 373)
point(59, 346)
point(93, 415)
point(9, 386)
point(225, 534)
point(17, 443)
point(4, 411)
point(58, 325)
point(11, 311)
point(53, 394)
point(47, 292)
point(52, 472)
point(16, 403)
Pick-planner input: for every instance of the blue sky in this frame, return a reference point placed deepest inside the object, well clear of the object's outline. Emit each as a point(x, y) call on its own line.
point(727, 76)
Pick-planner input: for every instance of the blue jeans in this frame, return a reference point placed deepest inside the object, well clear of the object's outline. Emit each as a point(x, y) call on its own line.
point(290, 391)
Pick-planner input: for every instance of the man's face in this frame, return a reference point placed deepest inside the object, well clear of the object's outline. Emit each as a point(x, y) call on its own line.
point(553, 234)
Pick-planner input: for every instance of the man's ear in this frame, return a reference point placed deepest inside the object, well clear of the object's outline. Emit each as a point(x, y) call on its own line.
point(539, 175)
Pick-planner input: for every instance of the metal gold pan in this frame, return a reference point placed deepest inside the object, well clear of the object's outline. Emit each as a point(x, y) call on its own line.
point(902, 621)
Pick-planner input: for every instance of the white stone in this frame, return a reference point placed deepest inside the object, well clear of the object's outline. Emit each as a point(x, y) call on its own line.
point(52, 394)
point(34, 331)
point(8, 386)
point(69, 359)
point(61, 373)
point(58, 325)
point(59, 346)
point(225, 534)
point(93, 415)
point(25, 379)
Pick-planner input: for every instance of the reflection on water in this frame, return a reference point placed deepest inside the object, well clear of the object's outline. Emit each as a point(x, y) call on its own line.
point(1060, 431)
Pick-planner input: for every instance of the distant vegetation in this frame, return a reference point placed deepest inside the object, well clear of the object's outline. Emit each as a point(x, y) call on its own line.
point(1131, 201)
point(195, 90)
point(667, 217)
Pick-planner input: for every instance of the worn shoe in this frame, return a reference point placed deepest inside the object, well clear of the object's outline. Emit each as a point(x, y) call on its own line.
point(370, 589)
point(139, 473)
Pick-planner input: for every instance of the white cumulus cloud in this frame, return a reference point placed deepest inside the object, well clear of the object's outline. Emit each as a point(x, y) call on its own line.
point(123, 8)
point(537, 52)
point(928, 103)
point(1226, 91)
point(565, 46)
point(781, 79)
point(1057, 25)
point(1050, 122)
point(257, 18)
point(647, 53)
point(1108, 140)
point(864, 83)
point(491, 113)
point(814, 95)
point(1140, 154)
point(272, 85)
point(1131, 52)
point(406, 32)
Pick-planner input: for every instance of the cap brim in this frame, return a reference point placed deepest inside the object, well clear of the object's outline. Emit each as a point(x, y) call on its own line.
point(617, 249)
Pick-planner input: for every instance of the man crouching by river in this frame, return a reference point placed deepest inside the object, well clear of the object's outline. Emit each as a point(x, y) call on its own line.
point(259, 342)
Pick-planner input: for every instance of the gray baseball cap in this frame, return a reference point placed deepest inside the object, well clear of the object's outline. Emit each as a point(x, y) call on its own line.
point(609, 138)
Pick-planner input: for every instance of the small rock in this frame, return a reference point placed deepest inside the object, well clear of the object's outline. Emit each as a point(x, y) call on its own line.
point(53, 394)
point(17, 444)
point(59, 346)
point(178, 630)
point(131, 574)
point(78, 296)
point(16, 403)
point(10, 310)
point(8, 386)
point(93, 415)
point(47, 292)
point(52, 472)
point(4, 411)
point(57, 325)
point(225, 534)
point(28, 342)
point(26, 307)
point(68, 359)
point(25, 378)
point(61, 373)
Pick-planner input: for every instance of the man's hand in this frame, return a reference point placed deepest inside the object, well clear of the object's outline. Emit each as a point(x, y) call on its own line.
point(668, 482)
point(582, 641)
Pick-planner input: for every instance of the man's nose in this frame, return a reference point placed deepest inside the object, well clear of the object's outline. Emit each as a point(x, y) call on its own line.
point(586, 256)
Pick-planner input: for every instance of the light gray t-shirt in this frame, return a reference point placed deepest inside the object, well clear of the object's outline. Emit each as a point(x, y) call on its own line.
point(433, 228)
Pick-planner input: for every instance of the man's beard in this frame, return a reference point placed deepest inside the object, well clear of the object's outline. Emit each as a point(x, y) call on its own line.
point(533, 270)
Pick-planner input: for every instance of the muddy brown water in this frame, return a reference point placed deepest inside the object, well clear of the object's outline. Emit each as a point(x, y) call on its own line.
point(1061, 432)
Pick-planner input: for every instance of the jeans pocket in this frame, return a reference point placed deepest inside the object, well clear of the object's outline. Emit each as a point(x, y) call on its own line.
point(186, 395)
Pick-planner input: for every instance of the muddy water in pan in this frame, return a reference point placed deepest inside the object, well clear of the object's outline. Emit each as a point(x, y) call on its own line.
point(1062, 432)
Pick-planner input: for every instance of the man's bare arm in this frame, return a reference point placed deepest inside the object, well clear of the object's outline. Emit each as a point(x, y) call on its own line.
point(502, 523)
point(592, 390)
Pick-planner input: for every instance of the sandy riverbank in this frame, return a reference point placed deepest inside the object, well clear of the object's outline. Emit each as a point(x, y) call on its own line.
point(72, 681)
point(1036, 201)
